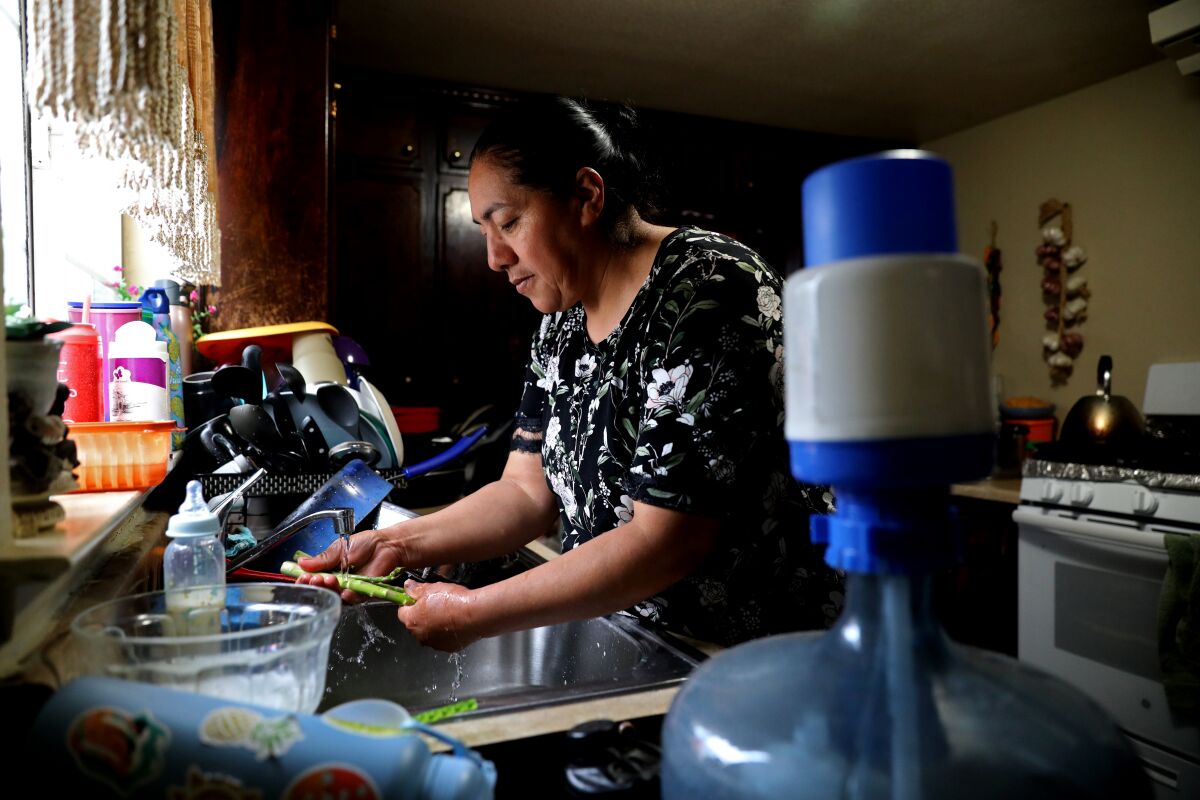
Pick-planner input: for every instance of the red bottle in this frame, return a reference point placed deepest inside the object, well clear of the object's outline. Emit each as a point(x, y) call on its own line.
point(79, 369)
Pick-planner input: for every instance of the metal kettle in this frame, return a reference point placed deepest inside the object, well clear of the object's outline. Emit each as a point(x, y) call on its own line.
point(1103, 419)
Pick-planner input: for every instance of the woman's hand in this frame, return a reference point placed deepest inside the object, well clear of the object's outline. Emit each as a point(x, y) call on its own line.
point(443, 615)
point(371, 553)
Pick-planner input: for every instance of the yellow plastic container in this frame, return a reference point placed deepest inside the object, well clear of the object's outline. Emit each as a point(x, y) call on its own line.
point(120, 455)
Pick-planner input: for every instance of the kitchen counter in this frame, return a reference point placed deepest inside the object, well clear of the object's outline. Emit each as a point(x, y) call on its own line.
point(103, 549)
point(123, 560)
point(1000, 490)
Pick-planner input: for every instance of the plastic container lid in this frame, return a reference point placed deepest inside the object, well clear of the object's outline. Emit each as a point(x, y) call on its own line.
point(136, 340)
point(78, 333)
point(899, 201)
point(108, 306)
point(194, 518)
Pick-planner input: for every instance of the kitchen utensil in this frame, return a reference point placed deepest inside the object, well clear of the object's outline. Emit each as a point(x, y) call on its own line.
point(339, 404)
point(355, 486)
point(314, 356)
point(373, 402)
point(252, 360)
point(201, 402)
point(374, 432)
point(446, 456)
point(255, 425)
point(235, 381)
point(218, 438)
point(1103, 419)
point(341, 454)
point(292, 379)
point(314, 445)
point(243, 381)
point(277, 407)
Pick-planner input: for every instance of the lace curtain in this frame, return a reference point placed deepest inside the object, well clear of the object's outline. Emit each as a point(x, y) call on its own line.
point(133, 79)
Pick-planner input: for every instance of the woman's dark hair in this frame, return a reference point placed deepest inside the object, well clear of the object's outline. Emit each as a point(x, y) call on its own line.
point(544, 142)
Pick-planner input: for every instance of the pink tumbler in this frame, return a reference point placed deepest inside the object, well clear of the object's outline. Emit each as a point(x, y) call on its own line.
point(107, 317)
point(79, 369)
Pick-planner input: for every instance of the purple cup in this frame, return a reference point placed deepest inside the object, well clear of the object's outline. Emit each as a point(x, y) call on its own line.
point(107, 317)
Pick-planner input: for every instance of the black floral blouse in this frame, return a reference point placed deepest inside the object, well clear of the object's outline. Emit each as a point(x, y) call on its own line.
point(681, 406)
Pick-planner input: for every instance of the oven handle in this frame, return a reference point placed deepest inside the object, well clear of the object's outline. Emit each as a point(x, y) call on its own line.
point(1096, 531)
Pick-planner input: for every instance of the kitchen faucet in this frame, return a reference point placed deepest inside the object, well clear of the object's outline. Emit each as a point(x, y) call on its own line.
point(343, 525)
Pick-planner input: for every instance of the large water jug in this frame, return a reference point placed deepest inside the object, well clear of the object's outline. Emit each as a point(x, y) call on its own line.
point(889, 401)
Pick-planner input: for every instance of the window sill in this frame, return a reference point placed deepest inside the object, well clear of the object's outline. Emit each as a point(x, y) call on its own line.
point(98, 552)
point(91, 517)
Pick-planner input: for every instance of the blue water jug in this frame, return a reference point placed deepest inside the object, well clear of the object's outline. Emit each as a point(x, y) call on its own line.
point(889, 401)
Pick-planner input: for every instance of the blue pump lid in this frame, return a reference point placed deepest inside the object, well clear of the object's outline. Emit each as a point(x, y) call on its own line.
point(898, 201)
point(155, 299)
point(901, 532)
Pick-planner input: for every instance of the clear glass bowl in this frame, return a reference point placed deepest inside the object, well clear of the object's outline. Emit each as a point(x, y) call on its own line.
point(268, 644)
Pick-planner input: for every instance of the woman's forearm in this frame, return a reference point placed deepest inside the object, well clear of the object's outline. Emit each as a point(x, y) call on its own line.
point(607, 574)
point(496, 519)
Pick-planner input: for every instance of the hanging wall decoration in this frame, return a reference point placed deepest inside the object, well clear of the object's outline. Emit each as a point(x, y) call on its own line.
point(132, 83)
point(993, 263)
point(1064, 290)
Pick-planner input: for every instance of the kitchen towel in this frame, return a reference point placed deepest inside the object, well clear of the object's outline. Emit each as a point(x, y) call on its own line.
point(1179, 623)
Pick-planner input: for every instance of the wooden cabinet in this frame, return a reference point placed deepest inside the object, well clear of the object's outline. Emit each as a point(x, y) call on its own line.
point(272, 83)
point(413, 285)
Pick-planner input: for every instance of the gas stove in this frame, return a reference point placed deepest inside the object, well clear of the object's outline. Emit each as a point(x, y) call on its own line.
point(1093, 531)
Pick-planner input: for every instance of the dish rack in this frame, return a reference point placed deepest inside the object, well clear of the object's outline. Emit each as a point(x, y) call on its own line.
point(219, 483)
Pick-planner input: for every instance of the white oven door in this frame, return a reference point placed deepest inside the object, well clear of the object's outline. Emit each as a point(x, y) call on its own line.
point(1088, 594)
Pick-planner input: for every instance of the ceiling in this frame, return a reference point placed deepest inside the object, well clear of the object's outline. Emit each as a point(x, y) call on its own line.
point(907, 69)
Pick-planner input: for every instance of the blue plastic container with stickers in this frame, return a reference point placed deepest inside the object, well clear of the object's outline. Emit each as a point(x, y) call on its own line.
point(889, 401)
point(99, 737)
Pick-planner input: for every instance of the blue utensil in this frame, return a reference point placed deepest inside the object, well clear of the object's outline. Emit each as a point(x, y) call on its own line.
point(355, 486)
point(446, 456)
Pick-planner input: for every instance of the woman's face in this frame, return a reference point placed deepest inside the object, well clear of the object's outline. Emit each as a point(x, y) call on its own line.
point(532, 237)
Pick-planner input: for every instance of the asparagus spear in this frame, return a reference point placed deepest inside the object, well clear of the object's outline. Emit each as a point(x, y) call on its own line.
point(354, 583)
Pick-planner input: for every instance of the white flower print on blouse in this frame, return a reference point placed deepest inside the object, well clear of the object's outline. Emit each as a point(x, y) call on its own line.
point(769, 304)
point(721, 469)
point(566, 494)
point(550, 380)
point(668, 388)
point(585, 366)
point(624, 511)
point(553, 431)
point(777, 369)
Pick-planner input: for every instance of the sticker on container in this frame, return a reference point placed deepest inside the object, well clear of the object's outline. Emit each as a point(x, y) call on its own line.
point(271, 738)
point(332, 780)
point(229, 726)
point(117, 748)
point(136, 391)
point(211, 786)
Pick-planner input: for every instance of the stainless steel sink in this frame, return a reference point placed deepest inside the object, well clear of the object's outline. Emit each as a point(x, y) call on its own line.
point(373, 655)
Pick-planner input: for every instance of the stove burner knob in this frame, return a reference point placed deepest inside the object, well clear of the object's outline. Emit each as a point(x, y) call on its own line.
point(1051, 492)
point(1144, 502)
point(1081, 495)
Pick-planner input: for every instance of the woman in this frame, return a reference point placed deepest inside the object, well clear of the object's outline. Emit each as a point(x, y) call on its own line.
point(651, 420)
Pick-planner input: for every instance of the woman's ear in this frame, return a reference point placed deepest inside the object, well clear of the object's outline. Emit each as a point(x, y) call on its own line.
point(589, 191)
